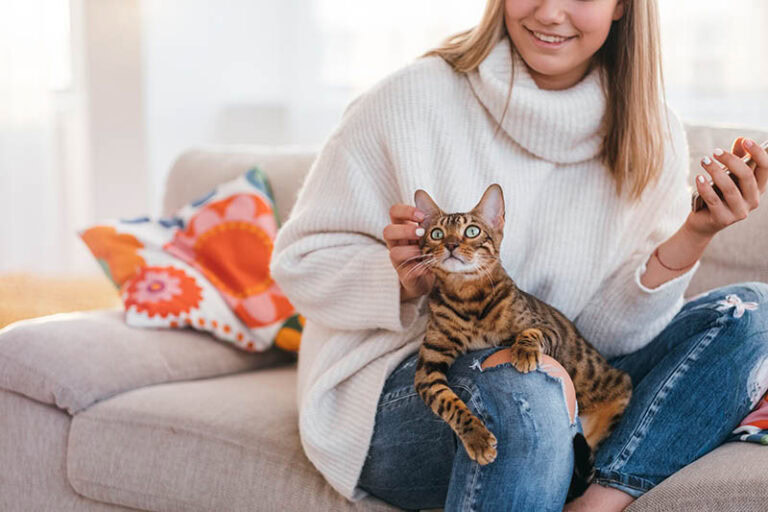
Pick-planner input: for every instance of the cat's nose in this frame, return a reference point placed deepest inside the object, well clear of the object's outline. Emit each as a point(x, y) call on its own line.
point(451, 246)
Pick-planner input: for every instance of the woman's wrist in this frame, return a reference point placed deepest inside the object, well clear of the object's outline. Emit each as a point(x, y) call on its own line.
point(675, 256)
point(694, 237)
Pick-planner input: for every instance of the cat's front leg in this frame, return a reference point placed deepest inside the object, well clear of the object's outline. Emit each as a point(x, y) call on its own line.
point(527, 349)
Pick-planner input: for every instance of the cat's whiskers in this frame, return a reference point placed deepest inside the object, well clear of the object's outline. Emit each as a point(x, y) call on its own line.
point(412, 258)
point(484, 268)
point(420, 265)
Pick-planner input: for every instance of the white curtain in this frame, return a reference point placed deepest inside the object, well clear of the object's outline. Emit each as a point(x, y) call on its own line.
point(37, 102)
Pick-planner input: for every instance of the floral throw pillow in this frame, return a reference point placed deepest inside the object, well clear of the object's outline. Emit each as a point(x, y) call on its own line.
point(206, 267)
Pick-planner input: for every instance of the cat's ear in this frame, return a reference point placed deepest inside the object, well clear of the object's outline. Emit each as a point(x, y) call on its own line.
point(427, 205)
point(491, 207)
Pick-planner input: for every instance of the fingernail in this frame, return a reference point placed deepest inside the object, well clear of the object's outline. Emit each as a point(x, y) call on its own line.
point(747, 143)
point(718, 152)
point(419, 231)
point(418, 215)
point(706, 160)
point(700, 178)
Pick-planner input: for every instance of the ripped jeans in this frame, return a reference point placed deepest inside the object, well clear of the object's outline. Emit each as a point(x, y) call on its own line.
point(693, 384)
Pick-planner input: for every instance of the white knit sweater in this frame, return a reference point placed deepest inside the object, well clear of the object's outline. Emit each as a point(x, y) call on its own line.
point(568, 239)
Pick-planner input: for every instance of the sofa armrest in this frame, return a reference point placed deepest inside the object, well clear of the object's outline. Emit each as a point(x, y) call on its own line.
point(73, 360)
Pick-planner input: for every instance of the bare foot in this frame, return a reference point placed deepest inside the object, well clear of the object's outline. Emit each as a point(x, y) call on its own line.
point(600, 499)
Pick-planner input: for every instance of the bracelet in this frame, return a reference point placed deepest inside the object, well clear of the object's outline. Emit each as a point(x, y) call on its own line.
point(656, 253)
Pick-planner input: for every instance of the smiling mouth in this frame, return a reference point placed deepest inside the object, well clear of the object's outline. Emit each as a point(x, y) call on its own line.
point(547, 38)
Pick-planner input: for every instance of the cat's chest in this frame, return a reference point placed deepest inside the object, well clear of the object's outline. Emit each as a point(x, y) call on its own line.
point(469, 327)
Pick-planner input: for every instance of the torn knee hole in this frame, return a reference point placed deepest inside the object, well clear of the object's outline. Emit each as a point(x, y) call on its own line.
point(554, 369)
point(499, 357)
point(548, 365)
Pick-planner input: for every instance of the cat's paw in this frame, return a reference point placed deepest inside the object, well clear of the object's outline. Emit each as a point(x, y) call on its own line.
point(480, 444)
point(525, 358)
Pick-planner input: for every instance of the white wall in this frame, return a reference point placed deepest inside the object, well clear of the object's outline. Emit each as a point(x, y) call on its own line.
point(239, 71)
point(116, 122)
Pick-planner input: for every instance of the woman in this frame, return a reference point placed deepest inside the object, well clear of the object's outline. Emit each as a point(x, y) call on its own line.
point(558, 101)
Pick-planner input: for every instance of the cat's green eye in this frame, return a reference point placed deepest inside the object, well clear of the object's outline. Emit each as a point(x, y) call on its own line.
point(472, 231)
point(436, 234)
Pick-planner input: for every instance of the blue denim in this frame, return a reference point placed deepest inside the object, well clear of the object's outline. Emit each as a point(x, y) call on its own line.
point(693, 384)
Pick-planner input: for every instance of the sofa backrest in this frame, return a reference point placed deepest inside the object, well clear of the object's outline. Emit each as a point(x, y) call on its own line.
point(198, 170)
point(739, 253)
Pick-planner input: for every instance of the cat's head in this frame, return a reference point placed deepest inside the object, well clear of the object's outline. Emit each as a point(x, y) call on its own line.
point(462, 243)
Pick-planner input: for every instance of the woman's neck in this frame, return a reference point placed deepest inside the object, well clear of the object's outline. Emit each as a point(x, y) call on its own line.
point(562, 81)
point(561, 126)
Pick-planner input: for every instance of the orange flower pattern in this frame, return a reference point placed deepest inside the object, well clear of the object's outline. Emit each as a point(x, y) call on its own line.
point(206, 268)
point(116, 252)
point(162, 291)
point(230, 242)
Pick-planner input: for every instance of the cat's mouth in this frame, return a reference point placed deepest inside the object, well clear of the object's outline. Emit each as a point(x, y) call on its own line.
point(456, 265)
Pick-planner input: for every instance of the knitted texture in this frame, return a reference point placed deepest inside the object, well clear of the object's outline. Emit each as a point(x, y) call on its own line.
point(568, 238)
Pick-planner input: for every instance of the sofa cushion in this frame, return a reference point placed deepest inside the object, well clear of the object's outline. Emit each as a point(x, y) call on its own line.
point(75, 359)
point(229, 443)
point(729, 479)
point(33, 449)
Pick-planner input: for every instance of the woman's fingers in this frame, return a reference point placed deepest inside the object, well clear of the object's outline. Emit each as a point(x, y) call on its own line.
point(733, 199)
point(760, 156)
point(403, 212)
point(718, 211)
point(405, 220)
point(739, 190)
point(737, 148)
point(402, 234)
point(747, 183)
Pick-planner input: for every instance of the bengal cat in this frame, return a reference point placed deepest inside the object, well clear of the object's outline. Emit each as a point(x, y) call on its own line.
point(475, 305)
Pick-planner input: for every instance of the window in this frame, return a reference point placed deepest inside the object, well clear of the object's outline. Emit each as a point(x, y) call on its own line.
point(713, 67)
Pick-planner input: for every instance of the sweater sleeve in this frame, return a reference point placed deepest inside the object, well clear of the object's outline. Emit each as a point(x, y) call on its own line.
point(624, 315)
point(329, 257)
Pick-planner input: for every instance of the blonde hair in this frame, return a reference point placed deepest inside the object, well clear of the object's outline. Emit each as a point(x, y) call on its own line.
point(630, 60)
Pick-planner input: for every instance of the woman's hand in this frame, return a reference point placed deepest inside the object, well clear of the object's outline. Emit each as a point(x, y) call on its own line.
point(739, 199)
point(402, 240)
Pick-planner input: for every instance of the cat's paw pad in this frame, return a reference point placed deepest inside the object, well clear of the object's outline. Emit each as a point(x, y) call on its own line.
point(525, 358)
point(480, 444)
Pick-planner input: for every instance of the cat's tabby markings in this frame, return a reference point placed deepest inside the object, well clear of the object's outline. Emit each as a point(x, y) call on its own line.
point(475, 304)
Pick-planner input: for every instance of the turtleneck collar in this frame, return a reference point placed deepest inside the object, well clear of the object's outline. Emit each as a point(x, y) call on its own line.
point(562, 126)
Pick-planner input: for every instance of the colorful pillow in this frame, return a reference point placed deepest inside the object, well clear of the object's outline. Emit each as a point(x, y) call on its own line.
point(754, 428)
point(206, 267)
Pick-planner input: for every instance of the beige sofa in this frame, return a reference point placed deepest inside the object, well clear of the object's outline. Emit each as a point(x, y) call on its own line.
point(97, 416)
